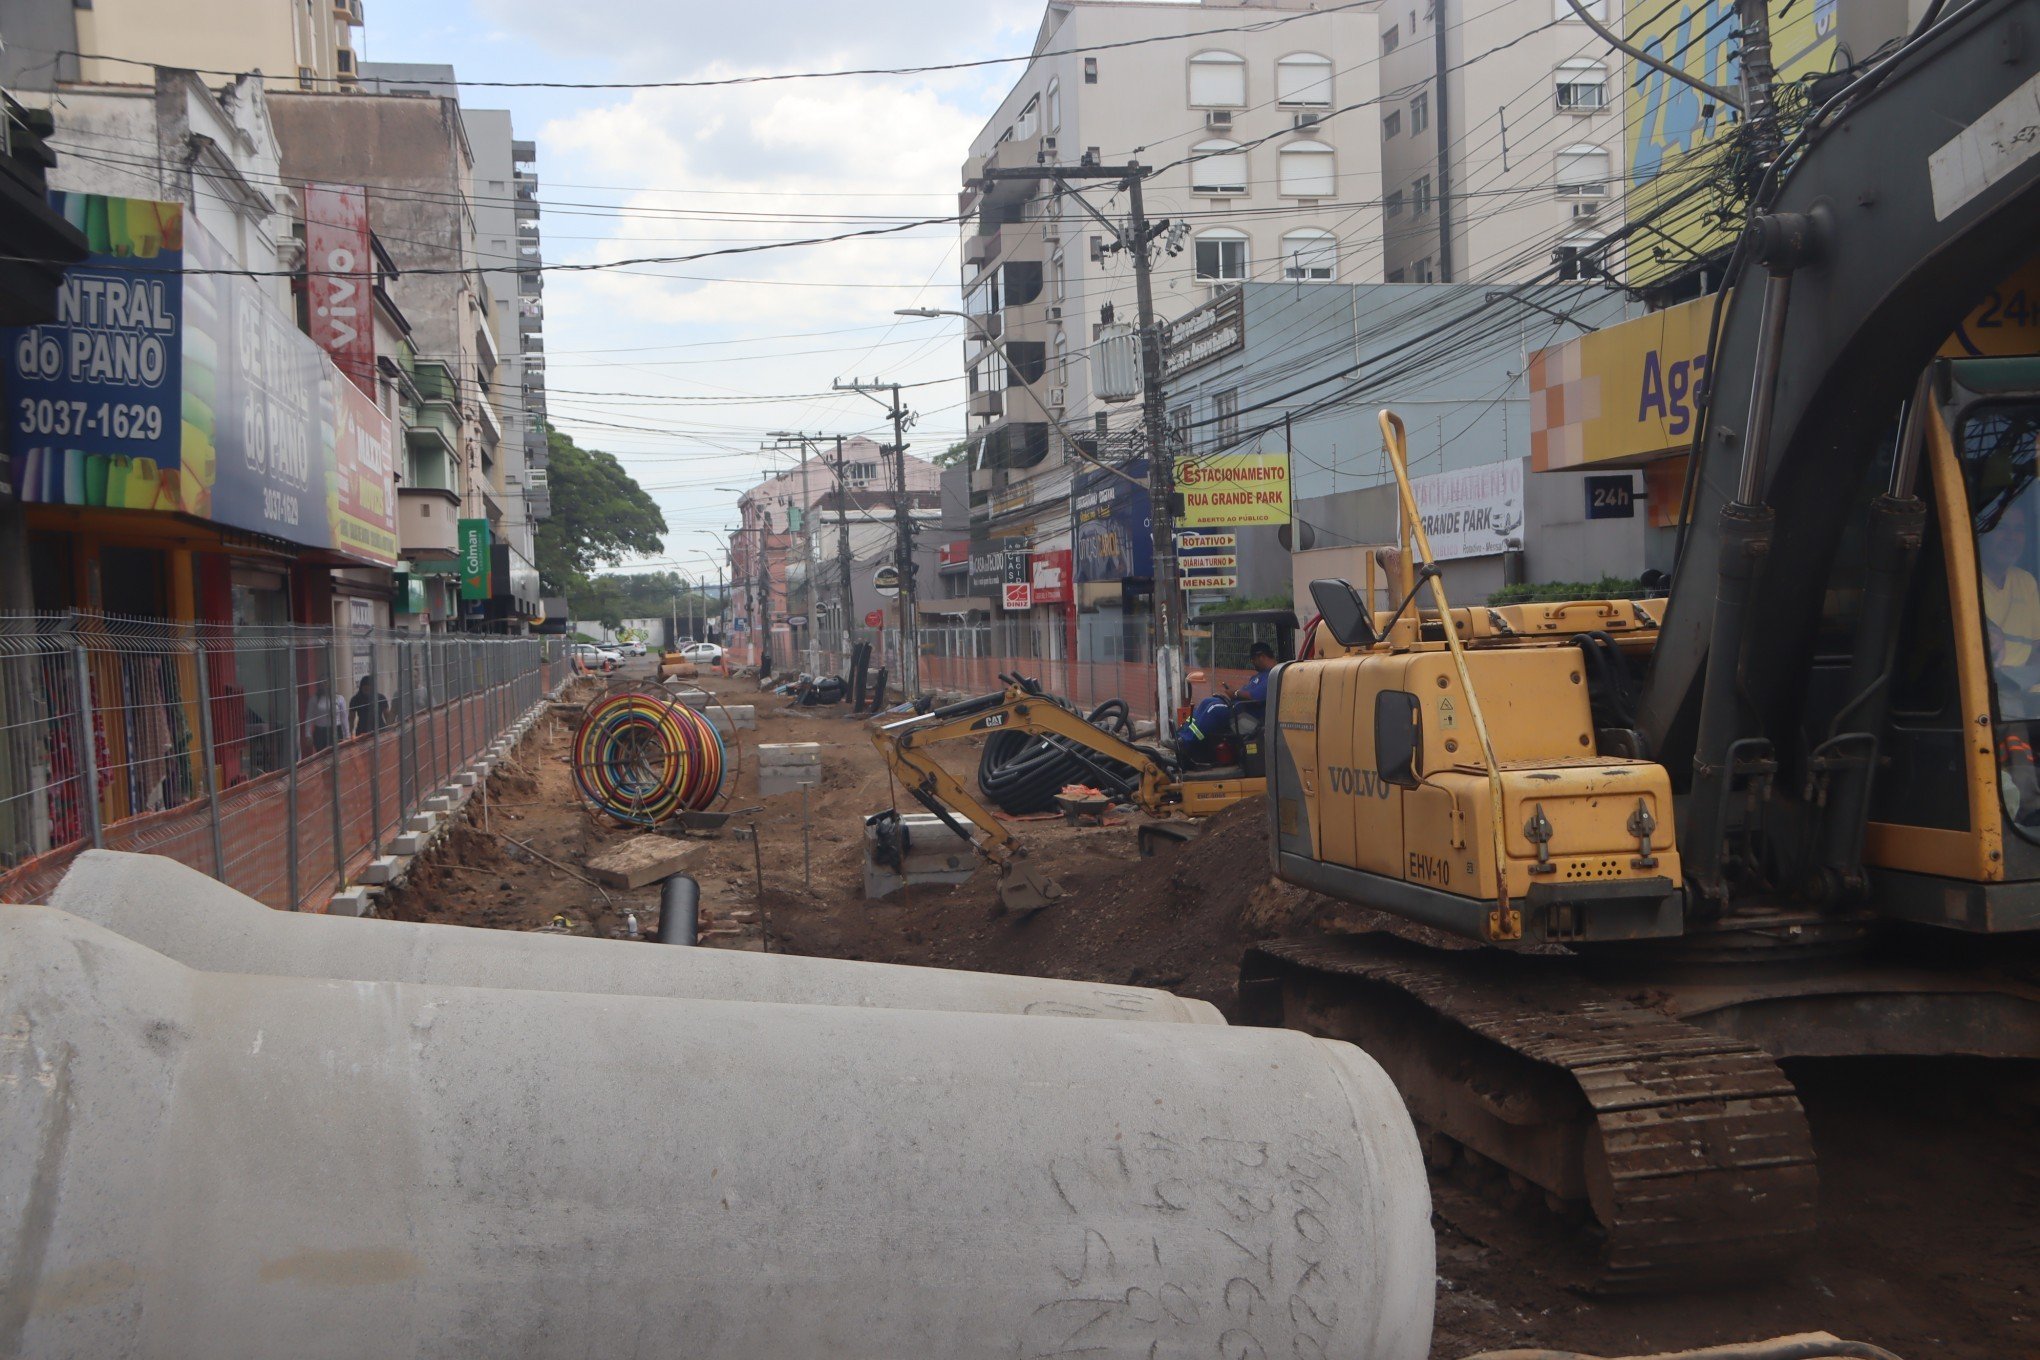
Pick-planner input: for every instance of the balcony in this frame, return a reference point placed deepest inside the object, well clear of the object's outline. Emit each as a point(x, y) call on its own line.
point(534, 344)
point(492, 426)
point(524, 153)
point(434, 429)
point(428, 523)
point(348, 12)
point(434, 381)
point(530, 318)
point(530, 284)
point(1009, 444)
point(1015, 243)
point(987, 403)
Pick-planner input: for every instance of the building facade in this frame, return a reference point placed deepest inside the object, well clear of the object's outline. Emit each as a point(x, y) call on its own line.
point(300, 44)
point(1259, 123)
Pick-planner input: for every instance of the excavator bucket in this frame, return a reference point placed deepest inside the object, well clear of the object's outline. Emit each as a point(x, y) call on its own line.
point(1022, 889)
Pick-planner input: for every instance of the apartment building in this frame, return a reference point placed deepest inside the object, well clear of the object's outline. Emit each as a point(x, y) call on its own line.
point(1259, 122)
point(301, 44)
point(412, 154)
point(507, 244)
point(1501, 136)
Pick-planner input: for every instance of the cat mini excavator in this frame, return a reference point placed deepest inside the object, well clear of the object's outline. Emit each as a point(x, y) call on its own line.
point(1789, 812)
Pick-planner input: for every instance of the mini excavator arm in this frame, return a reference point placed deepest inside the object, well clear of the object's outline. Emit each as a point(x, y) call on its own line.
point(1019, 707)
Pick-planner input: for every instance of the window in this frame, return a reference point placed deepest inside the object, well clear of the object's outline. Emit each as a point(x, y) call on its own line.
point(1306, 170)
point(1583, 172)
point(1090, 70)
point(1179, 428)
point(1561, 10)
point(1055, 274)
point(1391, 125)
point(1420, 195)
point(1391, 39)
point(1062, 359)
point(1420, 113)
point(1222, 256)
point(1054, 105)
point(1310, 254)
point(1582, 86)
point(1392, 205)
point(1030, 118)
point(1304, 81)
point(1394, 276)
point(1218, 80)
point(1218, 168)
point(1226, 407)
point(1421, 271)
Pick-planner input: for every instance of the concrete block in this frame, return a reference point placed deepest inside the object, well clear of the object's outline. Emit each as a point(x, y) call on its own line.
point(353, 902)
point(640, 860)
point(732, 717)
point(466, 779)
point(422, 823)
point(410, 843)
point(441, 803)
point(783, 754)
point(772, 783)
point(380, 871)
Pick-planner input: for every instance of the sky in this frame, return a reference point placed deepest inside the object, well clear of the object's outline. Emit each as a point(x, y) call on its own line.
point(681, 371)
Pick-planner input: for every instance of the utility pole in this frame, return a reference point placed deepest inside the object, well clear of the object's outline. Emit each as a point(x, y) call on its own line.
point(903, 527)
point(843, 618)
point(1759, 76)
point(1134, 239)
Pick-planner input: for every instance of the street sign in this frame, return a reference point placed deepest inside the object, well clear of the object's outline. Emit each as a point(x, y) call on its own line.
point(1019, 595)
point(796, 620)
point(1611, 497)
point(875, 619)
point(886, 581)
point(1230, 581)
point(1191, 544)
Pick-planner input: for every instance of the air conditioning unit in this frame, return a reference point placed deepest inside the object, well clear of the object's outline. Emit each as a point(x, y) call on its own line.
point(307, 78)
point(1056, 397)
point(1055, 313)
point(1048, 145)
point(1305, 120)
point(1218, 118)
point(1585, 209)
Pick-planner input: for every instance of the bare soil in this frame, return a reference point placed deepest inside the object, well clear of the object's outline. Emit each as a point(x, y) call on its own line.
point(1930, 1191)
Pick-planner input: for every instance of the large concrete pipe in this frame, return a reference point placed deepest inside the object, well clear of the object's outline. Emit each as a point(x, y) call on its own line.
point(217, 1165)
point(202, 923)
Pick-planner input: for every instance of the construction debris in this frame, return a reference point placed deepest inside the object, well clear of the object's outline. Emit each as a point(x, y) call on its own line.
point(640, 860)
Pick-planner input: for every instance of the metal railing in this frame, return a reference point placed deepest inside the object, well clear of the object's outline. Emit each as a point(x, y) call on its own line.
point(278, 759)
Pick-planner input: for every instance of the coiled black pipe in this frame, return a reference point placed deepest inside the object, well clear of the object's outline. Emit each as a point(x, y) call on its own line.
point(1022, 773)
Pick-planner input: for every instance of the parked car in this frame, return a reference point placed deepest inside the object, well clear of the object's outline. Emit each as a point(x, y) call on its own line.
point(592, 654)
point(701, 653)
point(633, 648)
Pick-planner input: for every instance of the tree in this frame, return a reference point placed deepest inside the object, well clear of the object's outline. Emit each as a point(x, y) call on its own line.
point(615, 596)
point(600, 516)
point(956, 455)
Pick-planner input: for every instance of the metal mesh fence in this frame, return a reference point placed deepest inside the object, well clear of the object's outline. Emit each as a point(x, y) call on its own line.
point(277, 759)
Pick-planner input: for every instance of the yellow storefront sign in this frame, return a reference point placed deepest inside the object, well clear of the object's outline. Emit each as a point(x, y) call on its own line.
point(1622, 395)
point(1670, 128)
point(1234, 489)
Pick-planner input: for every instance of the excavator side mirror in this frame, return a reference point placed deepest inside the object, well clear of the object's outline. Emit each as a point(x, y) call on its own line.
point(1398, 738)
point(1344, 612)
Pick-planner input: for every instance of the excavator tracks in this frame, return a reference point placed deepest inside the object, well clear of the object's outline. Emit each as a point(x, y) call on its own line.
point(1690, 1148)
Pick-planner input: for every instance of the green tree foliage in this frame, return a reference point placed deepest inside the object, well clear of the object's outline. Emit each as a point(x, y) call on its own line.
point(957, 454)
point(1557, 592)
point(600, 516)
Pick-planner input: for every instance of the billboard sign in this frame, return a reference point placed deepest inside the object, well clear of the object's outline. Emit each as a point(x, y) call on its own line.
point(1115, 533)
point(1050, 577)
point(92, 397)
point(1017, 580)
point(1671, 128)
point(1234, 489)
point(339, 305)
point(1474, 512)
point(169, 384)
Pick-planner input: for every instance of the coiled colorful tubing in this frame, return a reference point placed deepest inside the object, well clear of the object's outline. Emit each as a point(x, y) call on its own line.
point(644, 758)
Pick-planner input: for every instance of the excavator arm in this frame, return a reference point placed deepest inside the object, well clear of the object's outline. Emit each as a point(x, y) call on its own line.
point(1021, 706)
point(1906, 199)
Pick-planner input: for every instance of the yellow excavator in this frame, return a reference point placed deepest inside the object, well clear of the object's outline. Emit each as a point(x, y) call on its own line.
point(1148, 777)
point(1790, 811)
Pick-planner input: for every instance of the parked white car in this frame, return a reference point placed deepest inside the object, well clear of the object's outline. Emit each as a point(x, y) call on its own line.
point(633, 649)
point(592, 654)
point(701, 653)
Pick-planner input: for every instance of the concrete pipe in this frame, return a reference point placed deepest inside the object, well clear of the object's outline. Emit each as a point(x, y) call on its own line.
point(219, 1165)
point(202, 923)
